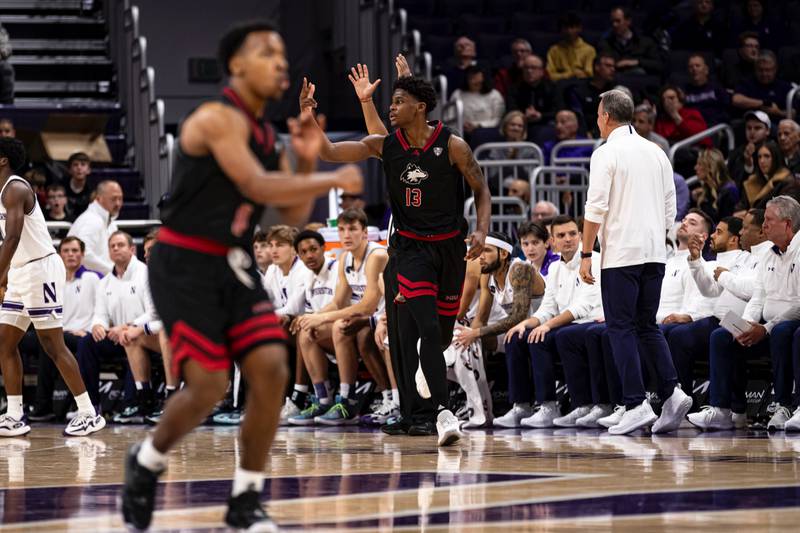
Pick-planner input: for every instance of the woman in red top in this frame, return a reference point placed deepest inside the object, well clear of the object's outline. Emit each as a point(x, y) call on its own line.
point(676, 122)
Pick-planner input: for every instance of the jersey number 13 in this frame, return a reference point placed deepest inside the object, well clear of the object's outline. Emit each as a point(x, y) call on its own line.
point(413, 197)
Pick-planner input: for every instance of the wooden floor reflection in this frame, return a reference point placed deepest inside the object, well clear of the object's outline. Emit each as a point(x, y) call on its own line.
point(354, 479)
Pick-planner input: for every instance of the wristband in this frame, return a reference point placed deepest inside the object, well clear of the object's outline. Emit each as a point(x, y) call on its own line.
point(586, 255)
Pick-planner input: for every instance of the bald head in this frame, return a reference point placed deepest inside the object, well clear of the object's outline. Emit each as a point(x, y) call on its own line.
point(109, 196)
point(521, 189)
point(544, 211)
point(789, 137)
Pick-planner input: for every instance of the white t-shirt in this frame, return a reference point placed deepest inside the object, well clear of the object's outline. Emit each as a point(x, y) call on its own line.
point(79, 297)
point(286, 292)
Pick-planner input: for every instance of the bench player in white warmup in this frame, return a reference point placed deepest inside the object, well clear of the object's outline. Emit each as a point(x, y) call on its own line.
point(32, 279)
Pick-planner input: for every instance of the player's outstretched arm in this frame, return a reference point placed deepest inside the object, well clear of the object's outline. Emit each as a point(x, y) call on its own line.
point(224, 133)
point(341, 152)
point(359, 77)
point(461, 156)
point(14, 199)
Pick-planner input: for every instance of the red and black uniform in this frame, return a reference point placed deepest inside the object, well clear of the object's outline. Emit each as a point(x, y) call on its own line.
point(426, 265)
point(202, 273)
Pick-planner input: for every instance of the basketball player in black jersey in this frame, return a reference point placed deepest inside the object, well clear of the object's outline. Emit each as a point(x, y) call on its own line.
point(424, 164)
point(202, 274)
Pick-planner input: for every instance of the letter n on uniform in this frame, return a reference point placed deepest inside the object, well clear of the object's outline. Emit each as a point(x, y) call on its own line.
point(49, 292)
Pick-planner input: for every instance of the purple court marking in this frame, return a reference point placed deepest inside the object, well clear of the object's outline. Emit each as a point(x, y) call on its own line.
point(53, 503)
point(617, 505)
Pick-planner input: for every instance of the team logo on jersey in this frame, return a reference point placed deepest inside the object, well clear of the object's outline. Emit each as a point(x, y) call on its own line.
point(438, 150)
point(413, 175)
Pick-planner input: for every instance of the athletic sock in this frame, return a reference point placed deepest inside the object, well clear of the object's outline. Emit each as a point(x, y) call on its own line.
point(245, 480)
point(170, 390)
point(344, 391)
point(150, 458)
point(301, 388)
point(387, 395)
point(322, 393)
point(396, 396)
point(85, 404)
point(14, 409)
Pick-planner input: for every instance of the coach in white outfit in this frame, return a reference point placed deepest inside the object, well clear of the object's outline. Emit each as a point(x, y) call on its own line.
point(96, 224)
point(631, 204)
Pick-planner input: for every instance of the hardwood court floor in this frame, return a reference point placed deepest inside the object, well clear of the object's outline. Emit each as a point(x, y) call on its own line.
point(359, 479)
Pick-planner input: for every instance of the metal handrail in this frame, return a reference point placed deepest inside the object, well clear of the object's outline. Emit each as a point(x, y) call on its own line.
point(427, 65)
point(724, 128)
point(416, 41)
point(551, 192)
point(501, 221)
point(402, 14)
point(556, 160)
point(442, 83)
point(486, 147)
point(790, 99)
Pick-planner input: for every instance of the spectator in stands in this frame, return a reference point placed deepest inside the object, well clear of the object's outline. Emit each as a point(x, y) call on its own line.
point(566, 130)
point(644, 119)
point(351, 201)
point(770, 311)
point(769, 30)
point(572, 57)
point(770, 179)
point(675, 121)
point(682, 196)
point(533, 240)
point(6, 69)
point(708, 97)
point(38, 182)
point(285, 278)
point(57, 209)
point(702, 31)
point(766, 92)
point(464, 54)
point(789, 141)
point(79, 166)
point(79, 297)
point(7, 128)
point(120, 300)
point(584, 97)
point(718, 196)
point(514, 129)
point(743, 67)
point(483, 106)
point(534, 95)
point(507, 77)
point(96, 225)
point(544, 212)
point(741, 161)
point(568, 308)
point(633, 53)
point(520, 189)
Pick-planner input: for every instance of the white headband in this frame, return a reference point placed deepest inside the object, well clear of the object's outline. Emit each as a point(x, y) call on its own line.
point(500, 244)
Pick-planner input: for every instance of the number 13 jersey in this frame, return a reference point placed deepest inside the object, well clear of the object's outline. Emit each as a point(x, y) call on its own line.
point(426, 191)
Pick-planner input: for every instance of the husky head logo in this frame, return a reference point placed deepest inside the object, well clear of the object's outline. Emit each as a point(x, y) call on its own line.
point(438, 151)
point(413, 175)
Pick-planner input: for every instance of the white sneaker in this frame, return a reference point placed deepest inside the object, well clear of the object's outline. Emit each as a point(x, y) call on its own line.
point(570, 419)
point(793, 424)
point(543, 416)
point(614, 418)
point(13, 427)
point(634, 419)
point(513, 417)
point(289, 409)
point(592, 419)
point(711, 417)
point(779, 419)
point(740, 420)
point(84, 424)
point(673, 410)
point(447, 425)
point(380, 415)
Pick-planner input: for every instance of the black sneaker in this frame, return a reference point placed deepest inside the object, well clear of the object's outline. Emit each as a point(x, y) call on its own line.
point(40, 414)
point(398, 426)
point(246, 512)
point(139, 492)
point(422, 429)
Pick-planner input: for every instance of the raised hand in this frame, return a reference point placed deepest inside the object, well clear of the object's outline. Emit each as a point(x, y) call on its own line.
point(695, 247)
point(359, 77)
point(307, 102)
point(401, 64)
